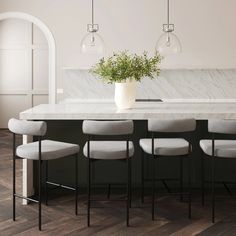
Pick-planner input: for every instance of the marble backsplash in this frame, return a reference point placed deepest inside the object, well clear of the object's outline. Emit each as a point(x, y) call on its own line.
point(204, 84)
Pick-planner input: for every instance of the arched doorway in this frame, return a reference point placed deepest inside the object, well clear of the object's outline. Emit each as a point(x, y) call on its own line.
point(51, 47)
point(28, 165)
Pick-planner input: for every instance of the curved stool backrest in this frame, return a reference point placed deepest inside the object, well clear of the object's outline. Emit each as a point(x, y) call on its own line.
point(93, 127)
point(23, 127)
point(172, 126)
point(113, 129)
point(222, 126)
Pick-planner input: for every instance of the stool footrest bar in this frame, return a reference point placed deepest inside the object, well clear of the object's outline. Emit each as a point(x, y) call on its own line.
point(60, 186)
point(110, 200)
point(160, 179)
point(26, 198)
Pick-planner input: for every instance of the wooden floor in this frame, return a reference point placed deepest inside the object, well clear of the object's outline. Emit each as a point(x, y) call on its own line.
point(107, 218)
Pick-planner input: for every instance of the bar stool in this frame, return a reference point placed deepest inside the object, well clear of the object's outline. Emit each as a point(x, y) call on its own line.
point(95, 150)
point(42, 150)
point(217, 148)
point(168, 147)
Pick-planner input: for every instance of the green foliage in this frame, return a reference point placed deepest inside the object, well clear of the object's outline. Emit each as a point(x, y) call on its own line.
point(122, 66)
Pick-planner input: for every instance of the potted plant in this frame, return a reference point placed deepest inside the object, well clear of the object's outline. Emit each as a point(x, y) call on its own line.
point(124, 70)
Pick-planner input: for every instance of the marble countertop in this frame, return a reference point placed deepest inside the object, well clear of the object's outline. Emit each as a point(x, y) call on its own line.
point(140, 111)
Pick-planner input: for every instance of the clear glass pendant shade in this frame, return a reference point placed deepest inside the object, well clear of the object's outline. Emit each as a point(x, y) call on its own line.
point(93, 43)
point(168, 43)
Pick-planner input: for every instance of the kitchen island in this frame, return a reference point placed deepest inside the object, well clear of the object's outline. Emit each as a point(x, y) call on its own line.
point(73, 114)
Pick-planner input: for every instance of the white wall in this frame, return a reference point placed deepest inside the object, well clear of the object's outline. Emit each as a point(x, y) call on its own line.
point(206, 28)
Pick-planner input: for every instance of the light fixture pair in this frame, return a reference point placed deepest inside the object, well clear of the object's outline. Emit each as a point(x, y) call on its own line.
point(168, 43)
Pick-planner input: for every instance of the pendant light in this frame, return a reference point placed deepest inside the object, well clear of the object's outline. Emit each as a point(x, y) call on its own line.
point(168, 43)
point(92, 43)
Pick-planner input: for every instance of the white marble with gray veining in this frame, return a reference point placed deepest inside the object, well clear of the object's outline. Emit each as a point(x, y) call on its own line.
point(140, 111)
point(170, 85)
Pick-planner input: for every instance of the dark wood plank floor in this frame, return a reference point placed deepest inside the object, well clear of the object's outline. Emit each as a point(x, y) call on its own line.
point(107, 218)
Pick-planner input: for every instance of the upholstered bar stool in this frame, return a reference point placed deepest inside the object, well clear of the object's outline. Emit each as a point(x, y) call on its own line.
point(168, 147)
point(216, 148)
point(108, 150)
point(42, 150)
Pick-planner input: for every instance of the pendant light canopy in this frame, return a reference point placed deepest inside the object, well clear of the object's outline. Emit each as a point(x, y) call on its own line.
point(168, 43)
point(92, 43)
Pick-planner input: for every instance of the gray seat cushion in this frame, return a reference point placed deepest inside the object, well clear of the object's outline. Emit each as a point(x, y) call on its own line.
point(223, 148)
point(50, 150)
point(165, 146)
point(108, 150)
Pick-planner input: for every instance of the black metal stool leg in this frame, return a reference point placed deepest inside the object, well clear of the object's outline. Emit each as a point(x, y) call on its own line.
point(14, 181)
point(128, 191)
point(190, 186)
point(153, 179)
point(213, 179)
point(40, 183)
point(14, 189)
point(213, 188)
point(153, 187)
point(202, 179)
point(39, 192)
point(46, 185)
point(89, 188)
point(181, 179)
point(76, 184)
point(142, 176)
point(130, 187)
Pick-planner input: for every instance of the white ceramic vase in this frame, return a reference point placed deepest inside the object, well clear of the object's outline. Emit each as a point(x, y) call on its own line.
point(125, 93)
